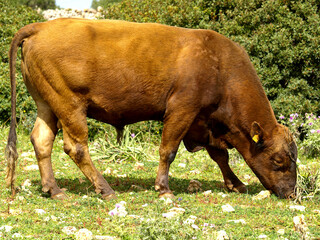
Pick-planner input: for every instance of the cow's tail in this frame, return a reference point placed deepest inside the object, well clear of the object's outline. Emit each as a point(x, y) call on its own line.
point(11, 149)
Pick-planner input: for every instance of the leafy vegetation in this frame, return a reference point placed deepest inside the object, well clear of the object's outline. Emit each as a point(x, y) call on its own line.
point(306, 129)
point(13, 16)
point(281, 37)
point(43, 4)
point(96, 3)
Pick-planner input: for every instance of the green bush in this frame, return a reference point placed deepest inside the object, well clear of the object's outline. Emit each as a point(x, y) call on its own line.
point(96, 3)
point(43, 4)
point(12, 17)
point(281, 37)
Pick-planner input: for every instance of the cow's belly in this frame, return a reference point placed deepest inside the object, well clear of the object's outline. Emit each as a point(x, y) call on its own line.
point(120, 116)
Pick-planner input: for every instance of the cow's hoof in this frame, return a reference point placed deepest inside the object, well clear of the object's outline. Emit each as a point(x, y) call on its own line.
point(109, 197)
point(239, 189)
point(166, 195)
point(60, 196)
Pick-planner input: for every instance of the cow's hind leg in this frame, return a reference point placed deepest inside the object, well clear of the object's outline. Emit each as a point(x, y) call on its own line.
point(75, 134)
point(42, 138)
point(231, 181)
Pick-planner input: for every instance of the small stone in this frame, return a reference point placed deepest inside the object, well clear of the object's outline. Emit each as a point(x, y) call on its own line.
point(298, 208)
point(166, 200)
point(69, 230)
point(222, 235)
point(33, 167)
point(83, 234)
point(242, 221)
point(207, 193)
point(227, 208)
point(263, 236)
point(182, 165)
point(262, 195)
point(40, 211)
point(194, 186)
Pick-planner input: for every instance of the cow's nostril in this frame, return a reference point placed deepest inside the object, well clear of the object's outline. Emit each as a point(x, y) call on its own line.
point(291, 196)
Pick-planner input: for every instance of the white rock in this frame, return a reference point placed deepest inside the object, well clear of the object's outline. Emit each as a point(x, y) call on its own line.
point(83, 234)
point(227, 208)
point(262, 195)
point(189, 221)
point(17, 235)
point(262, 236)
point(107, 171)
point(222, 194)
point(31, 167)
point(194, 226)
point(196, 171)
point(40, 211)
point(281, 231)
point(26, 154)
point(177, 210)
point(298, 208)
point(242, 221)
point(170, 214)
point(207, 193)
point(166, 200)
point(221, 235)
point(69, 230)
point(26, 183)
point(122, 175)
point(174, 212)
point(6, 228)
point(182, 165)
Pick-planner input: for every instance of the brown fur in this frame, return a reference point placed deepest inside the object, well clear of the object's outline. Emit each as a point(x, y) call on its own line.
point(201, 84)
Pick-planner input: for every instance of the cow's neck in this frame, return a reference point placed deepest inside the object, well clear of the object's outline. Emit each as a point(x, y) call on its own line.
point(248, 103)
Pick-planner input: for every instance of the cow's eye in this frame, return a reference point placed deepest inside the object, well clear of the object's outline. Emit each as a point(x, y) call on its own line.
point(278, 162)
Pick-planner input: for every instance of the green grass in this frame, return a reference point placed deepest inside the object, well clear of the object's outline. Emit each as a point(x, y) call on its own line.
point(85, 209)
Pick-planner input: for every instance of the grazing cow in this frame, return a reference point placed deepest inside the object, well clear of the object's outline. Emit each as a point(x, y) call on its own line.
point(199, 83)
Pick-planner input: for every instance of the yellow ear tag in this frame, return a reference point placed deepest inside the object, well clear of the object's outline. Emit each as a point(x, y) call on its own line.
point(255, 138)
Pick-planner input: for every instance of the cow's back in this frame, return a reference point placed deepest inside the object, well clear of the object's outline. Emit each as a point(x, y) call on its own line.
point(120, 71)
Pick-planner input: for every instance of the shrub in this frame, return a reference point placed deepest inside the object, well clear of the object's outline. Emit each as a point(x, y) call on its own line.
point(96, 3)
point(281, 38)
point(12, 18)
point(43, 4)
point(306, 129)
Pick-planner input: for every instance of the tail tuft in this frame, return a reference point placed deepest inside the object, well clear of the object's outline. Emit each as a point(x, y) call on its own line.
point(11, 156)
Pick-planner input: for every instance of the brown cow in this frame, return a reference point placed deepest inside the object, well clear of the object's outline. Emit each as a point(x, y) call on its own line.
point(199, 83)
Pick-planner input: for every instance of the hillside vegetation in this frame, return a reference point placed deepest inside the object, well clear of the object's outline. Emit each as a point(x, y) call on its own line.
point(281, 37)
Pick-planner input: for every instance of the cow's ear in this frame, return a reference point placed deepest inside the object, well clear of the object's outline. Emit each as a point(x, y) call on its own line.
point(257, 132)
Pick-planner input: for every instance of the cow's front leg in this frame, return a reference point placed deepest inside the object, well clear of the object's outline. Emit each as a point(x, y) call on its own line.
point(175, 127)
point(231, 181)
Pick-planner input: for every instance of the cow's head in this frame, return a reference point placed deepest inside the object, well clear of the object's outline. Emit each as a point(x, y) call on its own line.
point(274, 156)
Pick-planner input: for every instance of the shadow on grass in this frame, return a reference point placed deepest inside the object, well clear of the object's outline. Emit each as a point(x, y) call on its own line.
point(122, 185)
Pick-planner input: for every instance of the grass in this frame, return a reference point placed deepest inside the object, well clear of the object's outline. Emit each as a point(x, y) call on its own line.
point(134, 184)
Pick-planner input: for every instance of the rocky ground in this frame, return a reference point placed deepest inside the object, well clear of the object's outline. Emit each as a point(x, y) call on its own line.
point(51, 14)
